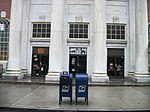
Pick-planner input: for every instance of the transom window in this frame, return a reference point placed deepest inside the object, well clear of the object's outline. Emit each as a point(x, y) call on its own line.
point(78, 30)
point(4, 39)
point(41, 30)
point(116, 31)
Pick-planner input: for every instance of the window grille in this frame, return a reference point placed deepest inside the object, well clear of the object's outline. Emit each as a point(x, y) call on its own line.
point(78, 30)
point(116, 31)
point(4, 39)
point(41, 30)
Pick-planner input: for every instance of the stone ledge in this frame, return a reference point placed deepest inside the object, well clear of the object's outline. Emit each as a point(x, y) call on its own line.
point(52, 76)
point(13, 76)
point(139, 79)
point(99, 79)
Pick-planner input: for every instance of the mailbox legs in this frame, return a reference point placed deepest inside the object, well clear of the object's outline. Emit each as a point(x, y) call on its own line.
point(71, 100)
point(86, 99)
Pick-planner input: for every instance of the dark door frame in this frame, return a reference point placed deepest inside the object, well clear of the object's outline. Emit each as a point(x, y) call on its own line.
point(77, 65)
point(115, 63)
point(40, 62)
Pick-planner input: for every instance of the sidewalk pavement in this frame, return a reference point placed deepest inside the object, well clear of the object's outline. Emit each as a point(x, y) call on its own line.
point(37, 95)
point(41, 98)
point(42, 81)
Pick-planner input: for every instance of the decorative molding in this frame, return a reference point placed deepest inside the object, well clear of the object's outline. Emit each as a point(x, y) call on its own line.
point(111, 41)
point(42, 17)
point(115, 19)
point(78, 19)
point(40, 39)
point(75, 42)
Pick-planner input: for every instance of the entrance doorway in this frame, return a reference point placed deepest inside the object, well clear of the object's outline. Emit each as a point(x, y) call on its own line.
point(77, 60)
point(40, 61)
point(115, 63)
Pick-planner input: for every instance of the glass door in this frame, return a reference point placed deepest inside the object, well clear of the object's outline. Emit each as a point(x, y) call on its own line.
point(40, 61)
point(77, 60)
point(81, 64)
point(115, 63)
point(77, 64)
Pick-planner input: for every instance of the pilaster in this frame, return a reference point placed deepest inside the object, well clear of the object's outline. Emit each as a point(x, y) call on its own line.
point(14, 61)
point(99, 73)
point(55, 56)
point(141, 65)
point(131, 37)
point(24, 39)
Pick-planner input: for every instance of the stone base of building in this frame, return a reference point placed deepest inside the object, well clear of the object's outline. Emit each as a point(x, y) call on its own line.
point(13, 74)
point(98, 77)
point(140, 77)
point(52, 76)
point(130, 73)
point(24, 71)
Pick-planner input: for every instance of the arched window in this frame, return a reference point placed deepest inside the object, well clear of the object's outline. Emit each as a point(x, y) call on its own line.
point(4, 39)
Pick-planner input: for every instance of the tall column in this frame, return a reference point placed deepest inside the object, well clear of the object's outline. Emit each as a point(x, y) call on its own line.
point(99, 73)
point(55, 56)
point(24, 39)
point(132, 37)
point(14, 67)
point(141, 68)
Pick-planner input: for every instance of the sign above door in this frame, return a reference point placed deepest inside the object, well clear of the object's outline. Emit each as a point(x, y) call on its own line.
point(78, 50)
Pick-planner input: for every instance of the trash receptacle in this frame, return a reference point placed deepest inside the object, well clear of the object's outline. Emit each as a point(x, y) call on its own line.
point(1, 70)
point(65, 86)
point(82, 86)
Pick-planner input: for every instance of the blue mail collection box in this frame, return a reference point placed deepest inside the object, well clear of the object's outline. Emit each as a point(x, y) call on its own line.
point(82, 86)
point(65, 86)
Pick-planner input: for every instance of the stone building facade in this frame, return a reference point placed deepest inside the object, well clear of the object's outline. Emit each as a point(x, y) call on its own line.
point(104, 38)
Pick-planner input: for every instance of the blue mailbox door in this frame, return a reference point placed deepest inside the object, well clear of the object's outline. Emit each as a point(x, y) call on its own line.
point(65, 87)
point(82, 86)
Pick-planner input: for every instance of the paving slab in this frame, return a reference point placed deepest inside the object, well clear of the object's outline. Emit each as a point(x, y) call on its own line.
point(45, 97)
point(10, 94)
point(42, 97)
